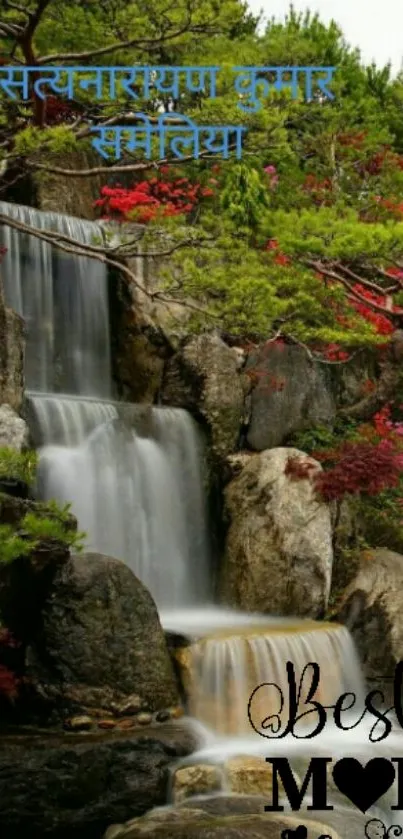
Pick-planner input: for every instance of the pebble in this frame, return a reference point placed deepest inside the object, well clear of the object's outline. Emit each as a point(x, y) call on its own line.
point(123, 725)
point(131, 705)
point(78, 723)
point(107, 724)
point(162, 716)
point(143, 718)
point(177, 712)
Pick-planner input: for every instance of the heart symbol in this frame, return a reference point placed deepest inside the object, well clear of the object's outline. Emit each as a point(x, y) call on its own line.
point(363, 785)
point(300, 833)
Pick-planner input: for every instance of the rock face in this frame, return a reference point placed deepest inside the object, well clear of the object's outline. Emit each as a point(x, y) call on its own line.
point(73, 196)
point(371, 609)
point(278, 556)
point(139, 344)
point(11, 356)
point(289, 393)
point(203, 378)
point(76, 785)
point(14, 432)
point(196, 820)
point(199, 779)
point(99, 640)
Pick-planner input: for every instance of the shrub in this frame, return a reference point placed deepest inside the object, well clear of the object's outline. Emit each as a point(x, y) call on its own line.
point(19, 466)
point(12, 545)
point(39, 529)
point(35, 531)
point(359, 468)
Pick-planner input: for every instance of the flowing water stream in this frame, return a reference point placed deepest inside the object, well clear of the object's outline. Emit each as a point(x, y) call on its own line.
point(135, 480)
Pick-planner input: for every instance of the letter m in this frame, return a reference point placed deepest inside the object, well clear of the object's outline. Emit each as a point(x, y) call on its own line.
point(316, 771)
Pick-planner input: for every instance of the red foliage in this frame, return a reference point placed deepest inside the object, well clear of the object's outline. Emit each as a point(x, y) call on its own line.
point(359, 467)
point(382, 324)
point(319, 191)
point(279, 258)
point(58, 111)
point(299, 468)
point(353, 140)
point(368, 386)
point(394, 207)
point(333, 352)
point(9, 683)
point(150, 199)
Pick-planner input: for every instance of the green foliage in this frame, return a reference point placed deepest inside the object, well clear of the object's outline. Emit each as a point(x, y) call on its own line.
point(51, 527)
point(322, 437)
point(18, 465)
point(12, 545)
point(40, 529)
point(381, 518)
point(244, 196)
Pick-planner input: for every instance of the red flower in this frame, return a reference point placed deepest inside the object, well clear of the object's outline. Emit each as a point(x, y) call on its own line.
point(147, 199)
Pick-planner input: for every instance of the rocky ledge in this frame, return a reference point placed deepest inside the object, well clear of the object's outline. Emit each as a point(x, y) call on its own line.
point(56, 786)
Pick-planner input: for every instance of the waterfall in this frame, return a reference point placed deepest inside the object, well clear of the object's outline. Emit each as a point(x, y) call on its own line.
point(138, 497)
point(134, 478)
point(64, 302)
point(223, 668)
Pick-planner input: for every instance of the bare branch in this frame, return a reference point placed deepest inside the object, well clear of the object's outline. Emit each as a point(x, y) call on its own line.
point(12, 30)
point(110, 170)
point(69, 245)
point(10, 5)
point(359, 279)
point(353, 293)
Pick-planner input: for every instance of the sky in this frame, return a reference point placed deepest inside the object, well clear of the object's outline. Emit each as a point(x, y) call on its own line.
point(375, 26)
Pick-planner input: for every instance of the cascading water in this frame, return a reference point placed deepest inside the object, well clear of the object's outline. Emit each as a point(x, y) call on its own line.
point(138, 497)
point(136, 491)
point(223, 669)
point(135, 483)
point(64, 302)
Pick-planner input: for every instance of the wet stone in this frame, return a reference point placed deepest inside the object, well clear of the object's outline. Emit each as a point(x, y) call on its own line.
point(162, 716)
point(124, 725)
point(177, 712)
point(144, 718)
point(81, 723)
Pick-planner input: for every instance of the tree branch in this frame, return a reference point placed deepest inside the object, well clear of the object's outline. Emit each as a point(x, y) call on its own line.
point(110, 170)
point(69, 245)
point(353, 294)
point(10, 5)
point(150, 43)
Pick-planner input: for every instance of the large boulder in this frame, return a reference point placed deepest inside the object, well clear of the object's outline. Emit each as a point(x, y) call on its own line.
point(60, 786)
point(99, 639)
point(14, 432)
point(278, 554)
point(371, 608)
point(203, 377)
point(12, 346)
point(290, 392)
